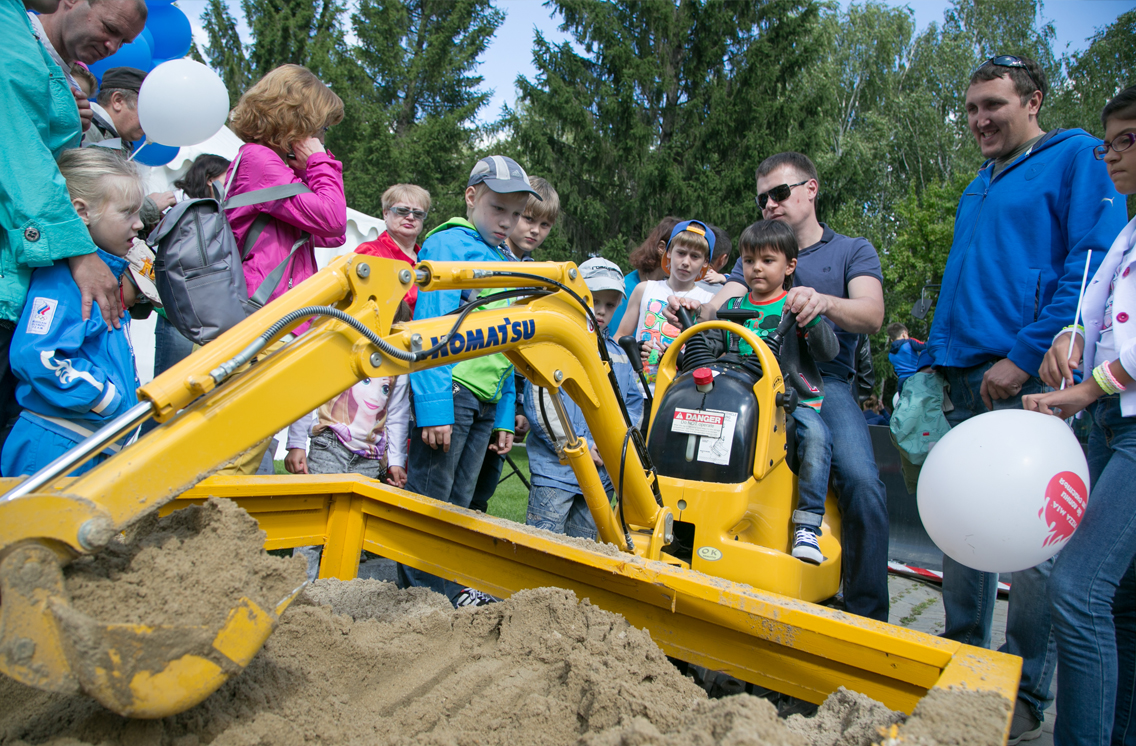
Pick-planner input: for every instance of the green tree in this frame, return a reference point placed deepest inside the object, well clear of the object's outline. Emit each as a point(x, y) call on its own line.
point(413, 96)
point(658, 113)
point(225, 50)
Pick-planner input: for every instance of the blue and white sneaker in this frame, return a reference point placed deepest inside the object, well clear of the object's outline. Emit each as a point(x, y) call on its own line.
point(473, 597)
point(805, 546)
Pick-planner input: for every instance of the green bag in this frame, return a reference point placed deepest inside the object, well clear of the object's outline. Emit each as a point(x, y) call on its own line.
point(918, 423)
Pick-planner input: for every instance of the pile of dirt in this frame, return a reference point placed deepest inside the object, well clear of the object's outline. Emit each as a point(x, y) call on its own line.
point(365, 663)
point(188, 568)
point(539, 668)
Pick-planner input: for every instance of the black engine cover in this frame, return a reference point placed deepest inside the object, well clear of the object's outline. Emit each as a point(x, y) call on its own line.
point(732, 392)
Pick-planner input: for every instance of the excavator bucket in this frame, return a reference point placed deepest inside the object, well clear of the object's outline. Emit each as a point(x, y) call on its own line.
point(135, 670)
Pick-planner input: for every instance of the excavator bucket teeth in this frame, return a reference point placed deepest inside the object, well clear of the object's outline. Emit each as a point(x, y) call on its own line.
point(151, 672)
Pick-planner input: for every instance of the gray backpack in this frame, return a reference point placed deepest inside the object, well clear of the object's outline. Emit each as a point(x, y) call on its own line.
point(198, 266)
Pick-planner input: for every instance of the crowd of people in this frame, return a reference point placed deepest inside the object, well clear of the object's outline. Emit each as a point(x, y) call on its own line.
point(1043, 207)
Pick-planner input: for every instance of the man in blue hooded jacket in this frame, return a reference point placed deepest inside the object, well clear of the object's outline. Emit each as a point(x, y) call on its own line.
point(1023, 231)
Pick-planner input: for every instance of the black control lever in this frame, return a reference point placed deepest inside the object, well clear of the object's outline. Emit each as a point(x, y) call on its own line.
point(631, 347)
point(684, 319)
point(784, 329)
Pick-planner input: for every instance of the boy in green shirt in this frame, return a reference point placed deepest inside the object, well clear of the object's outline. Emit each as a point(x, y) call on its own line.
point(769, 258)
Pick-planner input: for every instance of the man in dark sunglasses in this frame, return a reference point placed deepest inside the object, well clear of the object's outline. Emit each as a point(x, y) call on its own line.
point(1022, 234)
point(838, 277)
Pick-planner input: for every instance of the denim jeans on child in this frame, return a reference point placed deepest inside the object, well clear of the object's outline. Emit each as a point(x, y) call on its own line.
point(449, 476)
point(862, 500)
point(560, 511)
point(326, 455)
point(814, 453)
point(969, 595)
point(1092, 594)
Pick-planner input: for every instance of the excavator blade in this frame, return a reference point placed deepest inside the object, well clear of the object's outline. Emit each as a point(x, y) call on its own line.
point(784, 644)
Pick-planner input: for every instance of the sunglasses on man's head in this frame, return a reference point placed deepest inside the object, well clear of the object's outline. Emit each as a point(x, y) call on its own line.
point(779, 193)
point(1009, 60)
point(402, 212)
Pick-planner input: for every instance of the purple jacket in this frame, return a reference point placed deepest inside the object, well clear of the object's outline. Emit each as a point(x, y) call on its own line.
point(322, 213)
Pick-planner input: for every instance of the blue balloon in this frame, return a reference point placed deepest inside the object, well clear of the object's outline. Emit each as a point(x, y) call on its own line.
point(151, 4)
point(135, 54)
point(172, 33)
point(153, 154)
point(149, 39)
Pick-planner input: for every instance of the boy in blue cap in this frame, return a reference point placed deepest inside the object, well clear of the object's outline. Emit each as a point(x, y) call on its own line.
point(463, 409)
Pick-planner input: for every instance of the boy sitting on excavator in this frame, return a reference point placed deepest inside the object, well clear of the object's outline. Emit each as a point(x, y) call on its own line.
point(769, 258)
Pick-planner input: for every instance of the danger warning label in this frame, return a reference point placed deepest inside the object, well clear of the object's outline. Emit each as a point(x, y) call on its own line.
point(707, 423)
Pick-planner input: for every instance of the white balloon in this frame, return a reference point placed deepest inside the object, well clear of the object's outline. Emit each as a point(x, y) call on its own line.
point(182, 102)
point(1004, 491)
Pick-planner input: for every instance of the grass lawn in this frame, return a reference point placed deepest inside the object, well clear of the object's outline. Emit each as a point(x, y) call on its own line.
point(511, 500)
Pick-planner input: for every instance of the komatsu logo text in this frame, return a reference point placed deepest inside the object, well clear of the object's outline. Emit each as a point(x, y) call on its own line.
point(483, 339)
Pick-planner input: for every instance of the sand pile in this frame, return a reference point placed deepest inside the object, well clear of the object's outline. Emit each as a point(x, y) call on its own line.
point(365, 663)
point(188, 568)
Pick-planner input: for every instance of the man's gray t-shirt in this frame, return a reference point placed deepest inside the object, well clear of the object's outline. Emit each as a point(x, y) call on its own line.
point(827, 267)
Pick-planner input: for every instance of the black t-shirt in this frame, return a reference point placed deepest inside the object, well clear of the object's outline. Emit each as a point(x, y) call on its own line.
point(827, 267)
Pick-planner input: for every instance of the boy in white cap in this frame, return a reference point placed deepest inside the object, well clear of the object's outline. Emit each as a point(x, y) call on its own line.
point(463, 409)
point(555, 501)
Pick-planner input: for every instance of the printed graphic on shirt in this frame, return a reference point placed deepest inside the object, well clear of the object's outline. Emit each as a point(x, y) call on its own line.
point(43, 311)
point(657, 329)
point(358, 417)
point(64, 371)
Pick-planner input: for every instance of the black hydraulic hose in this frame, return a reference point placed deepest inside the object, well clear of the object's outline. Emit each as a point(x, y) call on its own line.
point(223, 371)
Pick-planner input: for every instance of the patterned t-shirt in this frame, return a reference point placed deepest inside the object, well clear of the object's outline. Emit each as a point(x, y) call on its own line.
point(768, 316)
point(654, 326)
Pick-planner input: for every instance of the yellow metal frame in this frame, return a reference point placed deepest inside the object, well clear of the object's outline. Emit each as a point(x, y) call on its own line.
point(785, 644)
point(744, 532)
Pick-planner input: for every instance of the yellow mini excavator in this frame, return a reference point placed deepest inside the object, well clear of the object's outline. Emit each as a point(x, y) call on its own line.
point(704, 533)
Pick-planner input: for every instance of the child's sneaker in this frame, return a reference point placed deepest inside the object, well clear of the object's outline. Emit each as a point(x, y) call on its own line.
point(805, 546)
point(473, 597)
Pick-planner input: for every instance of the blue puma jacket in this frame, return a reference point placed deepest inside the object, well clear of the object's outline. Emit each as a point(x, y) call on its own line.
point(68, 369)
point(1020, 243)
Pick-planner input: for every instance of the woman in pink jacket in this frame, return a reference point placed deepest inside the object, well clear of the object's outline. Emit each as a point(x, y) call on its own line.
point(283, 120)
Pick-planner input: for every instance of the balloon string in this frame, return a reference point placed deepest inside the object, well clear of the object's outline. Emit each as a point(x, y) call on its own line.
point(147, 142)
point(1077, 314)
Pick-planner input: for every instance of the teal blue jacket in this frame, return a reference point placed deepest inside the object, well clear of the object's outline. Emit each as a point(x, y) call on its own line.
point(38, 224)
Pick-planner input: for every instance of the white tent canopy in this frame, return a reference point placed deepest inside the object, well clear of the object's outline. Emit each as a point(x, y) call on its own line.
point(360, 228)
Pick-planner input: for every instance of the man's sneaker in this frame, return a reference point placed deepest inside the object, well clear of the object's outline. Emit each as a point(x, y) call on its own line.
point(806, 548)
point(472, 597)
point(1025, 726)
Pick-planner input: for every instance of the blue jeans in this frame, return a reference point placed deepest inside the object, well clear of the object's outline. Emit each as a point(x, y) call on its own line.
point(170, 347)
point(561, 511)
point(487, 481)
point(969, 595)
point(449, 476)
point(1093, 597)
point(814, 452)
point(862, 500)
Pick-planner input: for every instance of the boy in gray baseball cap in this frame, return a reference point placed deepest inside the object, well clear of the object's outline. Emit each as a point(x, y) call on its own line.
point(463, 409)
